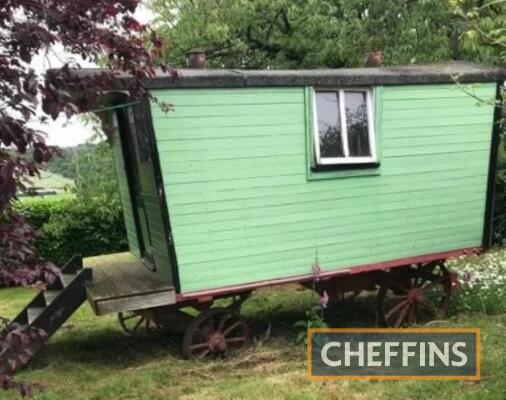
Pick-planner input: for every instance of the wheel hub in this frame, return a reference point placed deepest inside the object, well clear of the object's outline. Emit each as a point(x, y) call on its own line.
point(217, 343)
point(415, 295)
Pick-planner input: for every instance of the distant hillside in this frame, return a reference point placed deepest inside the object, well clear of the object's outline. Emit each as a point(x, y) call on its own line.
point(65, 164)
point(49, 183)
point(51, 180)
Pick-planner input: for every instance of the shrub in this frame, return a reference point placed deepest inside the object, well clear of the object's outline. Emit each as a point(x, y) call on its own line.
point(500, 199)
point(71, 226)
point(38, 210)
point(482, 283)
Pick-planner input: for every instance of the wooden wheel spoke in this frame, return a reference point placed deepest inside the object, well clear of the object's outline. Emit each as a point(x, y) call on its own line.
point(396, 309)
point(412, 314)
point(393, 296)
point(400, 287)
point(203, 353)
point(402, 314)
point(201, 332)
point(133, 321)
point(130, 317)
point(231, 328)
point(199, 346)
point(207, 334)
point(211, 324)
point(427, 289)
point(239, 339)
point(223, 320)
point(138, 323)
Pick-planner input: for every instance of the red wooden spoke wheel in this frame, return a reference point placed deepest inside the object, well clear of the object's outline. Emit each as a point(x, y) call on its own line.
point(413, 296)
point(136, 321)
point(214, 332)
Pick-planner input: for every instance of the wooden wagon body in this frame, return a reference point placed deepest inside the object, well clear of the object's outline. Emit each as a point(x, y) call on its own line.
point(257, 178)
point(225, 192)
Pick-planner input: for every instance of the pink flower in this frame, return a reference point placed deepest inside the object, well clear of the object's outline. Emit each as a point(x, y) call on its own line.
point(324, 300)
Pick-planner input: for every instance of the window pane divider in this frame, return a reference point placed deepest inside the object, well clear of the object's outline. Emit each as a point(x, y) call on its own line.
point(344, 129)
point(370, 123)
point(316, 134)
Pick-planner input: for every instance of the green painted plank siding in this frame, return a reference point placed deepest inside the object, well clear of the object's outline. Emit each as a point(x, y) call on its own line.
point(156, 238)
point(243, 210)
point(124, 191)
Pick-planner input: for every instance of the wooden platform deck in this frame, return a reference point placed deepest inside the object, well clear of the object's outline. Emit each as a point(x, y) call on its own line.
point(121, 282)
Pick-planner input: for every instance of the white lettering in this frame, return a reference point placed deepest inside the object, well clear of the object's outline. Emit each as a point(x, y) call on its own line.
point(460, 354)
point(325, 356)
point(348, 353)
point(389, 353)
point(422, 354)
point(371, 353)
point(444, 356)
point(406, 353)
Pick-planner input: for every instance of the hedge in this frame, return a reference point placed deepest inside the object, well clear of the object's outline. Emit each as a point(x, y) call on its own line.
point(69, 226)
point(500, 203)
point(38, 210)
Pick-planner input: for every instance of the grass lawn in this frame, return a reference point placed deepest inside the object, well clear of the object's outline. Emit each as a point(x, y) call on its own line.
point(90, 358)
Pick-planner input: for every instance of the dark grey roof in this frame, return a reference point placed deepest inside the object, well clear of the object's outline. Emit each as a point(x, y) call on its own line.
point(398, 75)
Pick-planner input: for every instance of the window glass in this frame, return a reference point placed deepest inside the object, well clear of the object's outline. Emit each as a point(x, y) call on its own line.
point(356, 124)
point(329, 124)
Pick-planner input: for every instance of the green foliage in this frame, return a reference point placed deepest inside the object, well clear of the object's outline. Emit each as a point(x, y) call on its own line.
point(86, 228)
point(482, 29)
point(73, 226)
point(314, 319)
point(500, 198)
point(91, 223)
point(332, 33)
point(38, 210)
point(96, 176)
point(306, 33)
point(482, 283)
point(64, 163)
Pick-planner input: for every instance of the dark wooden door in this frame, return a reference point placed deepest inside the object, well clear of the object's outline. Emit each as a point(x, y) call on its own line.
point(141, 180)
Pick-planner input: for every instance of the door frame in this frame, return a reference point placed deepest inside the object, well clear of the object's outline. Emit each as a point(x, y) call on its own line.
point(145, 109)
point(132, 178)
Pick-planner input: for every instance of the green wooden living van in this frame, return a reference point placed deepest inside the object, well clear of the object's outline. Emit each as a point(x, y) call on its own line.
point(258, 176)
point(341, 180)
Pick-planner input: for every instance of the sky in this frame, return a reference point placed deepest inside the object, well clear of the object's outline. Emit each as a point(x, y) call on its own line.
point(64, 132)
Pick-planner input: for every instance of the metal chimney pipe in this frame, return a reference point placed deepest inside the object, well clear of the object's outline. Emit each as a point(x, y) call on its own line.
point(373, 59)
point(196, 59)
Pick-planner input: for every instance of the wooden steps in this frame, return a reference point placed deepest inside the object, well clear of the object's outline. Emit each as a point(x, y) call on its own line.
point(48, 310)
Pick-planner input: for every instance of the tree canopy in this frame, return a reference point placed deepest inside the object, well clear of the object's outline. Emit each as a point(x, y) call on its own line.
point(330, 33)
point(96, 30)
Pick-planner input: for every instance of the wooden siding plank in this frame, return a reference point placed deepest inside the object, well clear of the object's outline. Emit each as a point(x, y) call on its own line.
point(234, 169)
point(232, 121)
point(333, 254)
point(224, 111)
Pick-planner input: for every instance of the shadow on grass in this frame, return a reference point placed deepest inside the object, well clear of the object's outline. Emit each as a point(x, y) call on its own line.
point(271, 313)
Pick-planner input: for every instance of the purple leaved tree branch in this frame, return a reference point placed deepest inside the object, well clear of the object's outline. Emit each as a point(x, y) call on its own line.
point(97, 31)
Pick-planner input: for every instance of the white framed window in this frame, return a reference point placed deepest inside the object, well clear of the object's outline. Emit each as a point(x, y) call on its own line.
point(344, 126)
